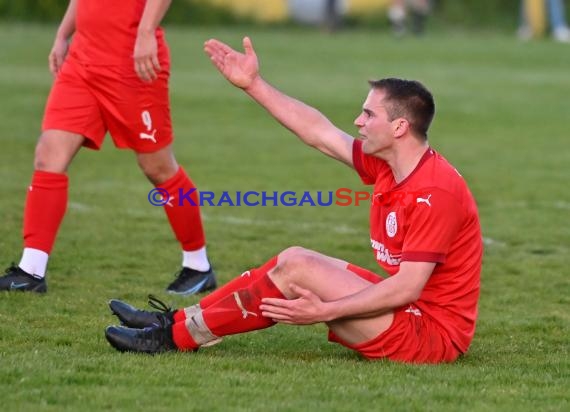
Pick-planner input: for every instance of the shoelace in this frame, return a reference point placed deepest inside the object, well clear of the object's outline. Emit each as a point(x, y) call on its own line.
point(150, 336)
point(158, 304)
point(162, 321)
point(158, 333)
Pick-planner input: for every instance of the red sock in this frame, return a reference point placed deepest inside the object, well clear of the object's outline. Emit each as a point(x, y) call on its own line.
point(183, 216)
point(239, 312)
point(236, 312)
point(241, 282)
point(45, 207)
point(179, 315)
point(182, 338)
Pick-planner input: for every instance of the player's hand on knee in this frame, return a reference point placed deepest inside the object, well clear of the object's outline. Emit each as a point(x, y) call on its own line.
point(306, 309)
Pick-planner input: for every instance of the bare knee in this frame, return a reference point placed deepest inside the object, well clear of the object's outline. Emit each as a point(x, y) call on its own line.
point(292, 252)
point(55, 150)
point(293, 264)
point(158, 167)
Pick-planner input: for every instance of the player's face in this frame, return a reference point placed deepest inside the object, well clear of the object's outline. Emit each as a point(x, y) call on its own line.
point(374, 127)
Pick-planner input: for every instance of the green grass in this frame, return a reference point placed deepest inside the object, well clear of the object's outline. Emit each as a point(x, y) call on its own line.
point(502, 120)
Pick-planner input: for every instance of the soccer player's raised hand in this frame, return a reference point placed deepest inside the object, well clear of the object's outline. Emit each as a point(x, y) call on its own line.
point(241, 69)
point(57, 55)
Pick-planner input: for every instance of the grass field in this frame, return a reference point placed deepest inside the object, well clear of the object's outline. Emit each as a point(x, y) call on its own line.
point(502, 120)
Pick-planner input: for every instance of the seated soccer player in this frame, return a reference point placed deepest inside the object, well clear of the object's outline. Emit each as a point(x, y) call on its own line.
point(424, 232)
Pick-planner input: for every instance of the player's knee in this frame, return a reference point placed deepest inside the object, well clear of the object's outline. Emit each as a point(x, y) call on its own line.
point(296, 256)
point(55, 150)
point(292, 252)
point(295, 261)
point(156, 172)
point(47, 159)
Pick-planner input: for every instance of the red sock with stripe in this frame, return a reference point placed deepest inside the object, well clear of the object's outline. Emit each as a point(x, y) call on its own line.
point(237, 312)
point(242, 281)
point(46, 203)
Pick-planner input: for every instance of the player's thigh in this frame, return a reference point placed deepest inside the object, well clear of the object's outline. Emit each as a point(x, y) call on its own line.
point(330, 279)
point(325, 276)
point(413, 336)
point(71, 106)
point(136, 113)
point(355, 331)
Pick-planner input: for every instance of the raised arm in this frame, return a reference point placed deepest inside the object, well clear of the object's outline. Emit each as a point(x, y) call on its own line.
point(61, 41)
point(310, 125)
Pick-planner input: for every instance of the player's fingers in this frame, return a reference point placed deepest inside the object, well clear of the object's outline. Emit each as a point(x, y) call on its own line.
point(214, 52)
point(59, 58)
point(52, 68)
point(248, 46)
point(272, 308)
point(140, 71)
point(144, 75)
point(144, 70)
point(216, 59)
point(276, 302)
point(208, 48)
point(147, 67)
point(151, 73)
point(52, 63)
point(277, 317)
point(214, 44)
point(155, 63)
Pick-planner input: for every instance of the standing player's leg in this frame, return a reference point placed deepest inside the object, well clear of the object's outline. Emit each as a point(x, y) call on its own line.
point(138, 117)
point(46, 203)
point(71, 119)
point(183, 212)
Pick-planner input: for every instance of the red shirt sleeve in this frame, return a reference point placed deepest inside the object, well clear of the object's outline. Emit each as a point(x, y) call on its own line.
point(368, 167)
point(433, 224)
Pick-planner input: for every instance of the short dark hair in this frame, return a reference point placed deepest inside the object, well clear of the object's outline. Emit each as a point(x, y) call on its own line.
point(408, 99)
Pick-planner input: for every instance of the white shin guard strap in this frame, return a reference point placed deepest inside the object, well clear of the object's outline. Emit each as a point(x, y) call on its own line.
point(201, 334)
point(192, 310)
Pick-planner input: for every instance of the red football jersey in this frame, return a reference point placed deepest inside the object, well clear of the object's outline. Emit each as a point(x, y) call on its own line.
point(430, 216)
point(105, 32)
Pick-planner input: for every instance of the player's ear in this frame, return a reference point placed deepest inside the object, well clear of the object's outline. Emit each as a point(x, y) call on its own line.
point(401, 126)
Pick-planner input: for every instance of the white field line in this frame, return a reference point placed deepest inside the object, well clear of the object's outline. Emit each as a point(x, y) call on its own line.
point(342, 229)
point(487, 241)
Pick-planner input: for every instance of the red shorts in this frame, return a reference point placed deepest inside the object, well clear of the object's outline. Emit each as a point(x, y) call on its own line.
point(412, 337)
point(91, 100)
